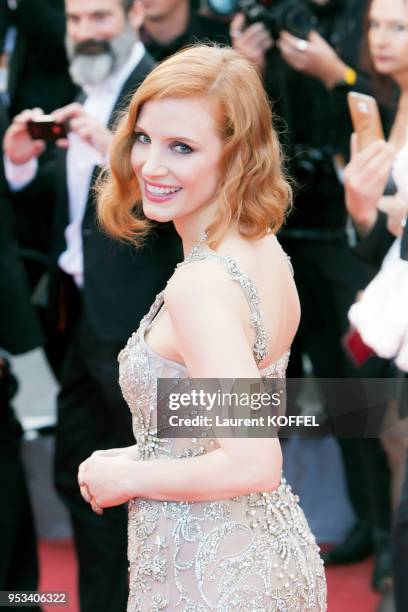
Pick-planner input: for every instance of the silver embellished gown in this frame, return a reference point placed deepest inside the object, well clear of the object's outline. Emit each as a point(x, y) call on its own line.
point(253, 553)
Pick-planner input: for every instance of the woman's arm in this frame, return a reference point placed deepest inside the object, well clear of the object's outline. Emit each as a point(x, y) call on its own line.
point(239, 468)
point(207, 312)
point(126, 451)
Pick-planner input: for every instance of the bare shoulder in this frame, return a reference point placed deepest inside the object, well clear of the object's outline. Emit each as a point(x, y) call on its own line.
point(203, 281)
point(207, 312)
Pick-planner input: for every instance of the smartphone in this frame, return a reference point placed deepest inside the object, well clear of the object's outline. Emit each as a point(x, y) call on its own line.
point(366, 119)
point(44, 127)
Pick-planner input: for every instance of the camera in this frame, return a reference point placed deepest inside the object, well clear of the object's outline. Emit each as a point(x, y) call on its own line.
point(295, 16)
point(44, 127)
point(309, 163)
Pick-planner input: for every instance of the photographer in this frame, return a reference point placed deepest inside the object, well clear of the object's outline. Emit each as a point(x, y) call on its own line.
point(170, 25)
point(310, 36)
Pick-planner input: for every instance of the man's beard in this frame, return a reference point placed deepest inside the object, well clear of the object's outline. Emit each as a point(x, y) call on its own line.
point(93, 61)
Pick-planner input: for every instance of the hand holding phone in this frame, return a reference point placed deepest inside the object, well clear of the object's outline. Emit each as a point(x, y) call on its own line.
point(365, 177)
point(18, 145)
point(366, 119)
point(45, 127)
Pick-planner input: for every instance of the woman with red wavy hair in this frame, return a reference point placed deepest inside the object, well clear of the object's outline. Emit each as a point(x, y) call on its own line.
point(212, 525)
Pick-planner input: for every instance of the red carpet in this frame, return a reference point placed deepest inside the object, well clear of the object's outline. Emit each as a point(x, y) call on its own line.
point(349, 586)
point(58, 572)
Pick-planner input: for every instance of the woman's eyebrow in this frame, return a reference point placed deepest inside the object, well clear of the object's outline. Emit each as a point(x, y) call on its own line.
point(184, 139)
point(139, 128)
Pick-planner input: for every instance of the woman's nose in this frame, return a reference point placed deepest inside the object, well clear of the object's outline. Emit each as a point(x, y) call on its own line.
point(381, 37)
point(154, 166)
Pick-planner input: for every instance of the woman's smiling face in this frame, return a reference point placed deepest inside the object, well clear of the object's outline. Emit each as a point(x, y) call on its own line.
point(176, 157)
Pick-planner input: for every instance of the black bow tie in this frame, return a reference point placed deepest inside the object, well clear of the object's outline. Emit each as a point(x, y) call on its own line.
point(404, 242)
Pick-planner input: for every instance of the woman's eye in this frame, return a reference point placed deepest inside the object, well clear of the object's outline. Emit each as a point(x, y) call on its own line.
point(142, 138)
point(181, 147)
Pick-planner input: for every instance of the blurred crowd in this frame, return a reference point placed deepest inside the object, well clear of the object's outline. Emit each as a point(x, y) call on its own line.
point(62, 280)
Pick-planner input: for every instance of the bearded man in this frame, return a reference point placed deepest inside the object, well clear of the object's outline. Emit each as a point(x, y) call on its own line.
point(92, 278)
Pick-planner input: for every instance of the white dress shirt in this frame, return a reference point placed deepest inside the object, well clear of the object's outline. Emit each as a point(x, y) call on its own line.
point(81, 160)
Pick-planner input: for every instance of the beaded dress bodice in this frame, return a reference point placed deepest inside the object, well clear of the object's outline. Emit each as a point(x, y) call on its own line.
point(251, 553)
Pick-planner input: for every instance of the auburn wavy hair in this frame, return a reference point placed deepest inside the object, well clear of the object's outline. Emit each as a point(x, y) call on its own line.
point(253, 191)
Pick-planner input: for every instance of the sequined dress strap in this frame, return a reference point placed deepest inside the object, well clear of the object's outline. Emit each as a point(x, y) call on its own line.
point(199, 253)
point(151, 314)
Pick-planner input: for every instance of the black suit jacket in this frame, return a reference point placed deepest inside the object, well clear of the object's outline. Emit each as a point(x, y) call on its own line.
point(4, 22)
point(19, 329)
point(120, 282)
point(38, 74)
point(374, 247)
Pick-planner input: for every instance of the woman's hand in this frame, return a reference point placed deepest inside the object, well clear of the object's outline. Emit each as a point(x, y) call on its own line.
point(104, 481)
point(313, 56)
point(365, 178)
point(396, 209)
point(253, 42)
